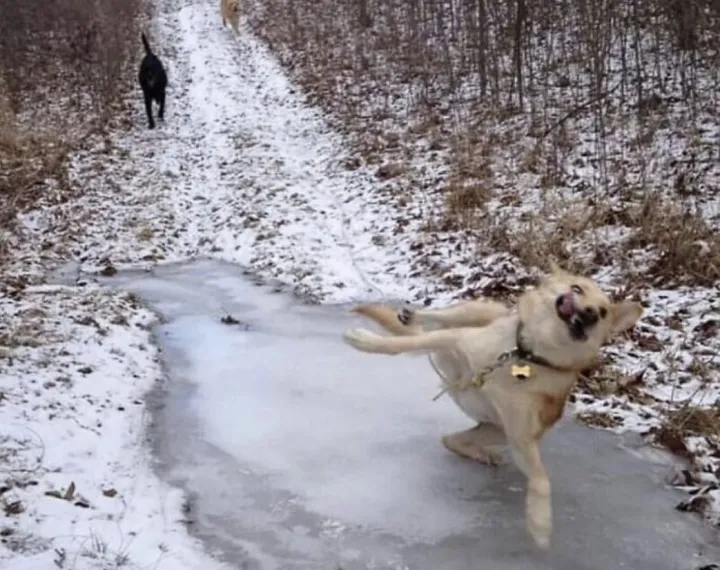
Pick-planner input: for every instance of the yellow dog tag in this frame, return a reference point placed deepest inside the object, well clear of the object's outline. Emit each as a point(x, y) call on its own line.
point(520, 372)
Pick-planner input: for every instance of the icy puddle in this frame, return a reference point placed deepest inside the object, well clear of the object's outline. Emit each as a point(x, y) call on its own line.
point(298, 452)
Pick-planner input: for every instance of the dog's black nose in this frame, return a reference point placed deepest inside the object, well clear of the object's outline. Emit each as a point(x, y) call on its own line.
point(589, 316)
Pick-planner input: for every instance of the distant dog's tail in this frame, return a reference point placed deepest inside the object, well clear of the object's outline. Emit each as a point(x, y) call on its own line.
point(367, 341)
point(388, 319)
point(146, 43)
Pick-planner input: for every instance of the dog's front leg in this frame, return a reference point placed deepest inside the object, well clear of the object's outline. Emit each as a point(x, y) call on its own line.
point(520, 425)
point(538, 510)
point(148, 108)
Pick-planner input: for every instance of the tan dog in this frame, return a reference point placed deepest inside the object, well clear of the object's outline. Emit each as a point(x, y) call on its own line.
point(510, 371)
point(230, 12)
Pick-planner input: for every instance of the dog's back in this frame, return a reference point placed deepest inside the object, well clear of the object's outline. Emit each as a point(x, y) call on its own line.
point(230, 12)
point(152, 74)
point(153, 80)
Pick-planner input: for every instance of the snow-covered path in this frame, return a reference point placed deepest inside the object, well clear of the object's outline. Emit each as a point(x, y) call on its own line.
point(244, 170)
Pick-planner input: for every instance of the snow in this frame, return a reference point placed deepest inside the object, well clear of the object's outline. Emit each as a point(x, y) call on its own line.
point(248, 173)
point(73, 414)
point(243, 170)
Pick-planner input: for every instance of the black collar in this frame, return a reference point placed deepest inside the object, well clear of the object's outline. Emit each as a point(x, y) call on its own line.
point(524, 354)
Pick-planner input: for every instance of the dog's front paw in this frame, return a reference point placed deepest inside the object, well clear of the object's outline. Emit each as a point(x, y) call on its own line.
point(406, 316)
point(361, 339)
point(539, 519)
point(540, 533)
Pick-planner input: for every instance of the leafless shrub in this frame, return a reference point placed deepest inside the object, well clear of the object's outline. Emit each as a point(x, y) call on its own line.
point(685, 248)
point(65, 65)
point(78, 46)
point(580, 95)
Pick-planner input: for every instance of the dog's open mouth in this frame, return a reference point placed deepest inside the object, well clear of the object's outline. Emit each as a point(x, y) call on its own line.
point(569, 312)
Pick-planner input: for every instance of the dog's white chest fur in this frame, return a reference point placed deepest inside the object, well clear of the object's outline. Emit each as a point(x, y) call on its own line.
point(477, 351)
point(476, 405)
point(472, 400)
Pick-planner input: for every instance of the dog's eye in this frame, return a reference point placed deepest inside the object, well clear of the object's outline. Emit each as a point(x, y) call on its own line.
point(603, 312)
point(576, 289)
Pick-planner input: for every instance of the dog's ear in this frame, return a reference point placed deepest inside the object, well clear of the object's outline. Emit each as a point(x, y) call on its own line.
point(624, 315)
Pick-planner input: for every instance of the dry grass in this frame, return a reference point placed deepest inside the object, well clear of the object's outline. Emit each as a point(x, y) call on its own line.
point(8, 131)
point(676, 243)
point(65, 66)
point(695, 421)
point(27, 164)
point(683, 424)
point(685, 248)
point(599, 419)
point(555, 96)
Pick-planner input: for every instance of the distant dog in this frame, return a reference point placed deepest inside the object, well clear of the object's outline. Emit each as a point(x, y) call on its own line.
point(230, 12)
point(511, 371)
point(153, 81)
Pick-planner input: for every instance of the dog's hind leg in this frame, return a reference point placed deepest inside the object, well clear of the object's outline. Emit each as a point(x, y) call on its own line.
point(472, 443)
point(148, 109)
point(161, 102)
point(467, 314)
point(387, 318)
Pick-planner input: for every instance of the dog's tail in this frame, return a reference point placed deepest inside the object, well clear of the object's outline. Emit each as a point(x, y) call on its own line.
point(146, 43)
point(368, 341)
point(388, 319)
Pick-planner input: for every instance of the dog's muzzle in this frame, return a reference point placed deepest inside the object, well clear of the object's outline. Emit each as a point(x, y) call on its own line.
point(577, 319)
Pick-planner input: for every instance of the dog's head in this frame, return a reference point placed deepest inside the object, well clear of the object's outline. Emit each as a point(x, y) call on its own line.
point(234, 5)
point(567, 318)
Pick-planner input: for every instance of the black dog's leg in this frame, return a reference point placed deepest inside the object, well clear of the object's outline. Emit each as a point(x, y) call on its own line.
point(161, 101)
point(148, 109)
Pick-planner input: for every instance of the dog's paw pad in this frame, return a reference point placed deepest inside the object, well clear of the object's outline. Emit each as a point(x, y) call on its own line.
point(406, 316)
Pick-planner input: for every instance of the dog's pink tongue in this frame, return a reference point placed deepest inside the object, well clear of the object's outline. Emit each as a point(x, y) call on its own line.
point(567, 307)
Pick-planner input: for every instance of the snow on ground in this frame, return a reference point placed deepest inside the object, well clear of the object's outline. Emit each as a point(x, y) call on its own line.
point(244, 170)
point(78, 487)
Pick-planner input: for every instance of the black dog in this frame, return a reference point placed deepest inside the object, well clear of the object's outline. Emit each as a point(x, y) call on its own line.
point(153, 81)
